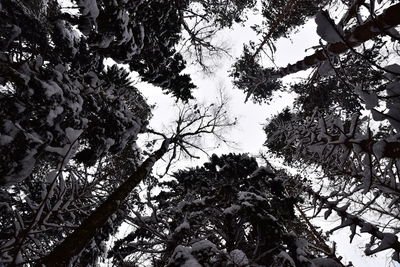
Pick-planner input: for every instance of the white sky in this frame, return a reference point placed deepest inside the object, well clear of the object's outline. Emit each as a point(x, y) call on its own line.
point(249, 133)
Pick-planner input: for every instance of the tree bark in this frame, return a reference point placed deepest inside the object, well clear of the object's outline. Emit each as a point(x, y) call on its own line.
point(370, 29)
point(77, 241)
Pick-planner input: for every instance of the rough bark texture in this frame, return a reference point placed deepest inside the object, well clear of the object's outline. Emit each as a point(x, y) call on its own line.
point(372, 28)
point(77, 241)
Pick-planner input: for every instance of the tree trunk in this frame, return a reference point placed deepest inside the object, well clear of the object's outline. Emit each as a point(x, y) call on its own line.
point(372, 28)
point(77, 241)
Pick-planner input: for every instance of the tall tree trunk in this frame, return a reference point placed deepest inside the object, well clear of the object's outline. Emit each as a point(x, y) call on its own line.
point(372, 28)
point(77, 241)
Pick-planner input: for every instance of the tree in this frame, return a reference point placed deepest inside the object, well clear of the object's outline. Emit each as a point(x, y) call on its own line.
point(353, 38)
point(330, 88)
point(38, 214)
point(253, 79)
point(51, 98)
point(339, 39)
point(379, 241)
point(320, 130)
point(281, 18)
point(341, 148)
point(60, 107)
point(227, 212)
point(358, 165)
point(193, 122)
point(356, 161)
point(141, 34)
point(203, 20)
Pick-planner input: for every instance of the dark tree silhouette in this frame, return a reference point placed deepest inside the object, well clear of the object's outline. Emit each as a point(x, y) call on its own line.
point(193, 122)
point(228, 212)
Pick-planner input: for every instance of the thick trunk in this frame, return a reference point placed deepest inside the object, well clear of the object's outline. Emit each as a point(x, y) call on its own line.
point(372, 28)
point(77, 241)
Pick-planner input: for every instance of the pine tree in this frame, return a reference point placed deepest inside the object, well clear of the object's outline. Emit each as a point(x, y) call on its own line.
point(228, 212)
point(61, 107)
point(40, 214)
point(337, 39)
point(355, 156)
point(53, 102)
point(192, 123)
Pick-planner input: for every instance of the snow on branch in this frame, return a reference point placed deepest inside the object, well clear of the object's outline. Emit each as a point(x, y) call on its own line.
point(387, 240)
point(343, 148)
point(370, 29)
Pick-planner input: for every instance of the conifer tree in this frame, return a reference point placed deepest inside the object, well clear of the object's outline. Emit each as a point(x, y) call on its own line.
point(229, 212)
point(192, 123)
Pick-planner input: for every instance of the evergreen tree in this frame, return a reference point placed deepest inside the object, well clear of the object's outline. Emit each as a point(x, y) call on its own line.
point(230, 212)
point(337, 39)
point(282, 17)
point(192, 123)
point(249, 76)
point(61, 107)
point(358, 156)
point(55, 103)
point(40, 214)
point(203, 20)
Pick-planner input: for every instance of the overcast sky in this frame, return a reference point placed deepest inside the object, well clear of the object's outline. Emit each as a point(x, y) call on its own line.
point(248, 133)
